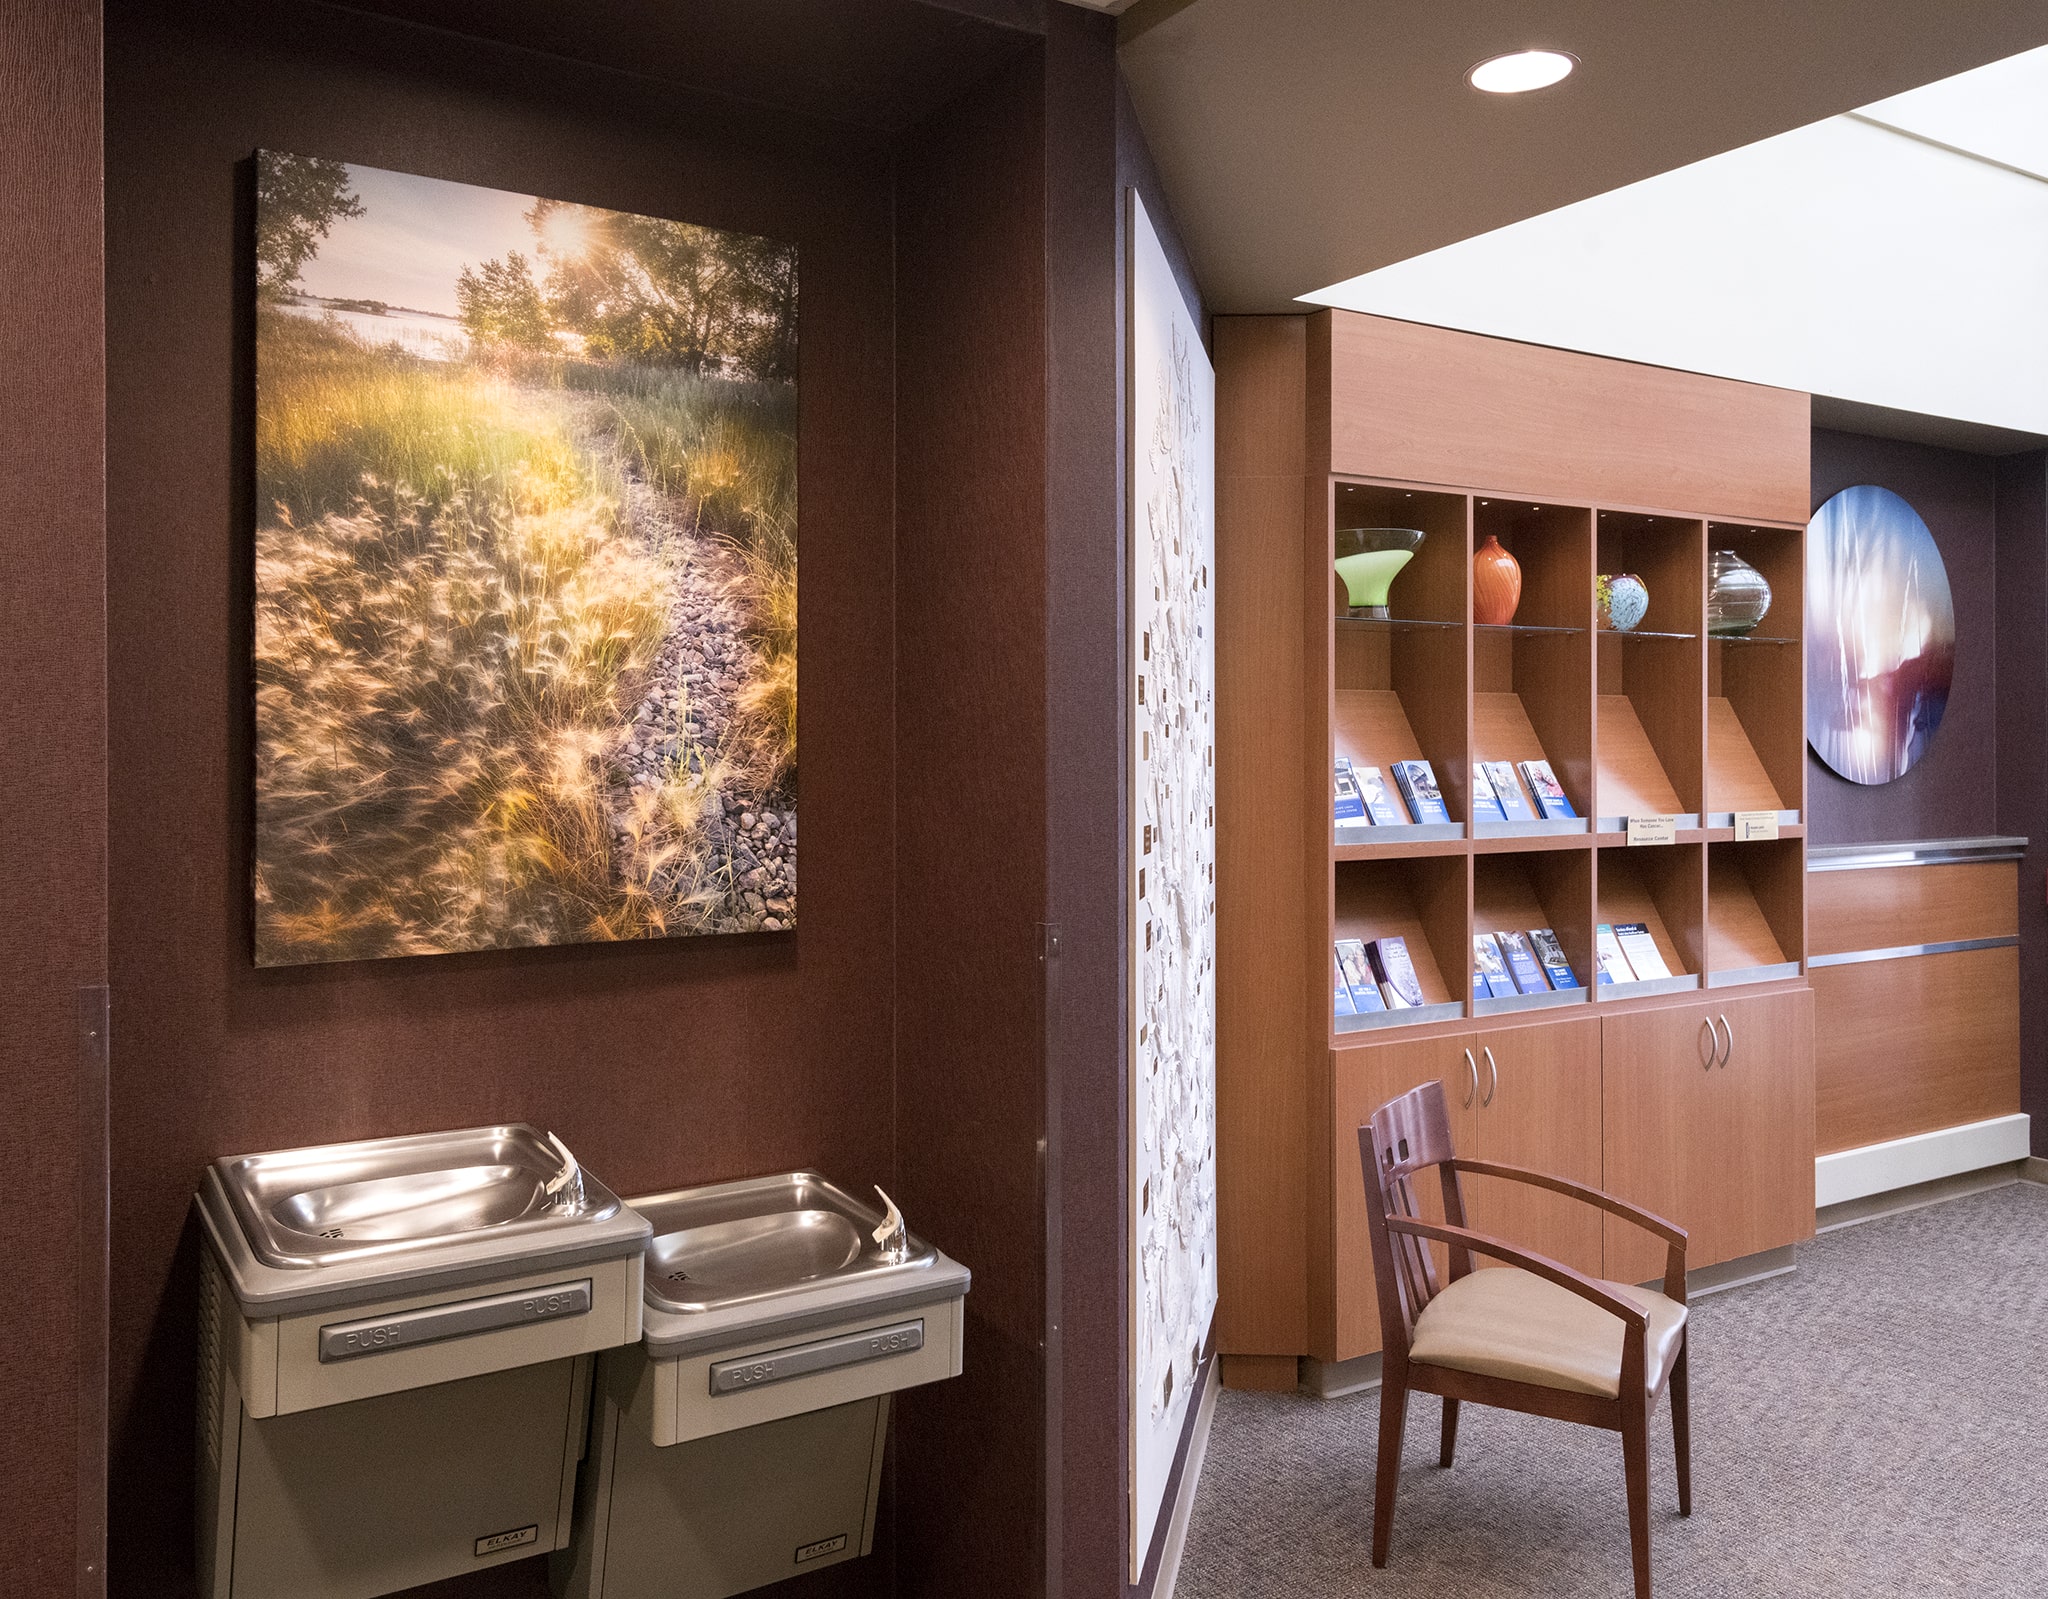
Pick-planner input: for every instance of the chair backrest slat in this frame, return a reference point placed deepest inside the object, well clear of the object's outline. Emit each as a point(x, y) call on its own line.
point(1403, 1137)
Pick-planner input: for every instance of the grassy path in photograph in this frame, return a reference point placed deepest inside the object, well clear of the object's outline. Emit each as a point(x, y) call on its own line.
point(475, 588)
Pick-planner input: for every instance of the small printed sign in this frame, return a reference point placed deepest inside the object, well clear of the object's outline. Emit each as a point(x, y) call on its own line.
point(820, 1549)
point(499, 1541)
point(1755, 824)
point(1653, 830)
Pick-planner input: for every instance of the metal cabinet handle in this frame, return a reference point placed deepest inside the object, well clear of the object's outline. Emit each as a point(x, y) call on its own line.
point(1493, 1079)
point(1728, 1050)
point(1474, 1089)
point(1713, 1054)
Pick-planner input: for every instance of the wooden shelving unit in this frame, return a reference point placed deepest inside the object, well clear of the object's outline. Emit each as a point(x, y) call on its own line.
point(1663, 720)
point(1577, 466)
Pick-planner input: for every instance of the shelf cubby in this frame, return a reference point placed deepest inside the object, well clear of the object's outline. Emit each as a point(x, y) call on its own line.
point(1648, 680)
point(1755, 911)
point(1532, 678)
point(1422, 901)
point(1518, 893)
point(1756, 686)
point(1662, 888)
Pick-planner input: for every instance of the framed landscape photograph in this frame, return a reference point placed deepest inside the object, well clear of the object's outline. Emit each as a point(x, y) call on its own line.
point(526, 575)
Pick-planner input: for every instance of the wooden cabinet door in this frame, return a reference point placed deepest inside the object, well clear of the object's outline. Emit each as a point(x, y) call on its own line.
point(1722, 1147)
point(1543, 1084)
point(1767, 1061)
point(1362, 1080)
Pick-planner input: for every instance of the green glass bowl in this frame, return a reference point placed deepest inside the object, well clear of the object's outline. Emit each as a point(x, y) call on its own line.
point(1368, 560)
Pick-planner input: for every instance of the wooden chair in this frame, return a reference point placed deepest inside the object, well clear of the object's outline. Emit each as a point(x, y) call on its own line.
point(1535, 1336)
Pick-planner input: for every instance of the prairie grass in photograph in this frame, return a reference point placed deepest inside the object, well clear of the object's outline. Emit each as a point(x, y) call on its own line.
point(526, 575)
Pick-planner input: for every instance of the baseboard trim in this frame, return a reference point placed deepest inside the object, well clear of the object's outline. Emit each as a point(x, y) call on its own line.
point(2034, 1170)
point(1916, 1196)
point(1760, 1267)
point(1336, 1379)
point(1176, 1541)
point(1853, 1174)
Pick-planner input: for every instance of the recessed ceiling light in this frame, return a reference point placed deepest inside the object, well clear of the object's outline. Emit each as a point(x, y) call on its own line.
point(1521, 72)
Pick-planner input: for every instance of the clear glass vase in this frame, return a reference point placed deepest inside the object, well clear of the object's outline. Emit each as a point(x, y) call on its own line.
point(1737, 595)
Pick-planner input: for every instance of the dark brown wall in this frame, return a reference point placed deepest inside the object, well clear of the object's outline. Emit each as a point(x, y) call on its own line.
point(52, 791)
point(1086, 603)
point(971, 730)
point(1987, 771)
point(660, 1063)
point(2023, 748)
point(1952, 792)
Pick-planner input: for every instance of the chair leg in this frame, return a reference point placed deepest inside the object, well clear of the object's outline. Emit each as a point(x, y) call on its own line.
point(1635, 1454)
point(1681, 1434)
point(1393, 1423)
point(1450, 1448)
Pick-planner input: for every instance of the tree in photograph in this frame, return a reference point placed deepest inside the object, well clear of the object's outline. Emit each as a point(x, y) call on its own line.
point(669, 293)
point(299, 198)
point(502, 308)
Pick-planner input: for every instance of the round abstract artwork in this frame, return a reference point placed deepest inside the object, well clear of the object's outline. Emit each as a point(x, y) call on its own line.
point(1880, 635)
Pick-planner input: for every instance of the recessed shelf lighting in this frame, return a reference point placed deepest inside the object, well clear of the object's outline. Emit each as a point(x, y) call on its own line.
point(1522, 71)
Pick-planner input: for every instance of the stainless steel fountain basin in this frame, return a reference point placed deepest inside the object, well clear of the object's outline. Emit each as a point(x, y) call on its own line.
point(745, 1243)
point(310, 1208)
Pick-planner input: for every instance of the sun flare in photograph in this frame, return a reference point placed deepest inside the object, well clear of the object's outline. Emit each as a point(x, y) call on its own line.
point(526, 597)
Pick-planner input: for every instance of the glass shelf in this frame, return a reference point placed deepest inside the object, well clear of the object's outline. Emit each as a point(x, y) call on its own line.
point(1390, 622)
point(1749, 638)
point(1641, 632)
point(1521, 627)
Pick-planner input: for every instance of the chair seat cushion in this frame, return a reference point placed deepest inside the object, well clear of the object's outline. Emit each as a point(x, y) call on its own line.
point(1505, 1322)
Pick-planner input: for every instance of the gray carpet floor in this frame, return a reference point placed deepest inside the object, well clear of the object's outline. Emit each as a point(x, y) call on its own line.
point(1874, 1424)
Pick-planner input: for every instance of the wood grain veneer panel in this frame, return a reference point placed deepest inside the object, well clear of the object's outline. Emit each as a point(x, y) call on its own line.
point(1269, 820)
point(1911, 1045)
point(1738, 933)
point(1421, 901)
point(1431, 676)
point(1364, 657)
point(1261, 395)
point(1502, 731)
point(1756, 724)
point(1736, 779)
point(1658, 887)
point(1362, 1080)
point(1373, 730)
point(1433, 405)
point(1632, 779)
point(1766, 683)
point(1544, 1083)
point(1264, 1374)
point(1882, 907)
point(1726, 1152)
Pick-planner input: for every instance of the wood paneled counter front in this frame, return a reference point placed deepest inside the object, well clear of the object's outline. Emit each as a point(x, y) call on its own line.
point(1690, 1094)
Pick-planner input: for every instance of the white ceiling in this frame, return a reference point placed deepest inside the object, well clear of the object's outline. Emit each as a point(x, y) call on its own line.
point(1895, 257)
point(1306, 141)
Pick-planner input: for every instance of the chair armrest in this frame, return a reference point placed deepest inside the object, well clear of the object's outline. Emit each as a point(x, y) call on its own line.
point(1549, 1270)
point(1670, 1232)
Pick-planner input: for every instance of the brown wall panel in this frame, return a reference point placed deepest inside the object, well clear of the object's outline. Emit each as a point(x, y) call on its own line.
point(1264, 1059)
point(1431, 405)
point(1953, 791)
point(1911, 1045)
point(2022, 598)
point(972, 748)
point(52, 793)
point(1882, 907)
point(660, 1063)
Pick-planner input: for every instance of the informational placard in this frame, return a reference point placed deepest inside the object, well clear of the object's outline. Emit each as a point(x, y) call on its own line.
point(1172, 870)
point(1750, 825)
point(1653, 830)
